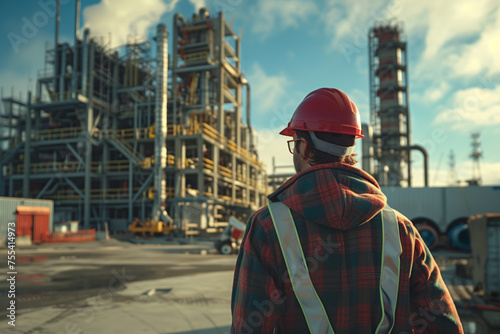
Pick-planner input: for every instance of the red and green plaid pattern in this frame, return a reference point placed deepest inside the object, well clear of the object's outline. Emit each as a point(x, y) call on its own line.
point(335, 208)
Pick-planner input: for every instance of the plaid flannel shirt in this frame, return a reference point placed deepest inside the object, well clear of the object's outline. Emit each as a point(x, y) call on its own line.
point(335, 208)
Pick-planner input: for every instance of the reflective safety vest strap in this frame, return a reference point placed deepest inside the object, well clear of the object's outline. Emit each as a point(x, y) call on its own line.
point(312, 307)
point(390, 269)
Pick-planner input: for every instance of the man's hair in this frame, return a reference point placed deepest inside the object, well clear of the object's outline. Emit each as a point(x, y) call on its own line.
point(319, 157)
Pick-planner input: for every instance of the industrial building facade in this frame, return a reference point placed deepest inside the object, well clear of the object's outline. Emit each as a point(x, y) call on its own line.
point(115, 134)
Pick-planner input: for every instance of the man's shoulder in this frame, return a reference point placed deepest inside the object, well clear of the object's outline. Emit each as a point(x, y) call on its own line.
point(402, 219)
point(405, 224)
point(261, 219)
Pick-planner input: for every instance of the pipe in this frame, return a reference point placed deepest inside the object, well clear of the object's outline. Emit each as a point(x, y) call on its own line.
point(408, 128)
point(58, 19)
point(179, 17)
point(160, 120)
point(74, 72)
point(85, 51)
point(244, 82)
point(426, 160)
point(27, 150)
point(77, 20)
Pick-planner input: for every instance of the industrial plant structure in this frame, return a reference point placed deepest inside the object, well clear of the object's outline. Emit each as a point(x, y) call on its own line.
point(387, 147)
point(115, 134)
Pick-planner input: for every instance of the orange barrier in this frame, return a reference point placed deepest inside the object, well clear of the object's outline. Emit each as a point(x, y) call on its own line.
point(80, 236)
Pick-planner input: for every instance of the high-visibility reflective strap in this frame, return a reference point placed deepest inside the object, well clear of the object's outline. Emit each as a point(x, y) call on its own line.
point(389, 277)
point(312, 307)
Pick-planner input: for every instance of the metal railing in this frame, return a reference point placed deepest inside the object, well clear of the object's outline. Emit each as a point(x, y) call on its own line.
point(208, 164)
point(59, 167)
point(224, 171)
point(58, 133)
point(214, 134)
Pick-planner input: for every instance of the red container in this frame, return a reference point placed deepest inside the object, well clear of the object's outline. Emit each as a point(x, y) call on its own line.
point(32, 221)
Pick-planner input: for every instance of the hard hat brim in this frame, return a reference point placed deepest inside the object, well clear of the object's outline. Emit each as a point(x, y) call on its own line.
point(287, 132)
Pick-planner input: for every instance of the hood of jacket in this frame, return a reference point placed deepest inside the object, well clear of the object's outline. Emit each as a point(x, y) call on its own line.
point(336, 195)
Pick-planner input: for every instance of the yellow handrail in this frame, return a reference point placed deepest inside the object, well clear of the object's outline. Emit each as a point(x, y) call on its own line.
point(207, 163)
point(226, 198)
point(58, 133)
point(224, 171)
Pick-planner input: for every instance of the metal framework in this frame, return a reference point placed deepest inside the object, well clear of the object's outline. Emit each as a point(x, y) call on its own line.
point(114, 134)
point(389, 103)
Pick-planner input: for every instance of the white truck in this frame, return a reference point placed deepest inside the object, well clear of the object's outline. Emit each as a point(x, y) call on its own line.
point(442, 210)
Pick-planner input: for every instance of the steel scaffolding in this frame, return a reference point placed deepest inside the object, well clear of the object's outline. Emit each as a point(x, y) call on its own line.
point(114, 134)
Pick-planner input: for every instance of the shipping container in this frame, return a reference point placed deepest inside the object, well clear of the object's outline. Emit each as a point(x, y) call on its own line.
point(443, 207)
point(8, 208)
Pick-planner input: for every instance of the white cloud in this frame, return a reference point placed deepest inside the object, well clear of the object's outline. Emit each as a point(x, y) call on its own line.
point(443, 22)
point(348, 22)
point(433, 94)
point(473, 107)
point(460, 38)
point(481, 56)
point(123, 18)
point(280, 15)
point(268, 91)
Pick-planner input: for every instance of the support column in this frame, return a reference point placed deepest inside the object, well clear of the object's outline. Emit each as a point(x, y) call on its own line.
point(182, 167)
point(200, 164)
point(62, 77)
point(11, 187)
point(216, 170)
point(247, 183)
point(85, 58)
point(221, 116)
point(130, 191)
point(88, 165)
point(104, 177)
point(27, 152)
point(234, 171)
point(89, 123)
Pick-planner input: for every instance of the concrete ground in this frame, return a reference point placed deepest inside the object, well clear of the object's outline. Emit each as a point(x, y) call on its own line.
point(145, 286)
point(121, 287)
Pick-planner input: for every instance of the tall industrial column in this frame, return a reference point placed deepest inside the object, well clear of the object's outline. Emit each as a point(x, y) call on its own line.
point(389, 105)
point(160, 185)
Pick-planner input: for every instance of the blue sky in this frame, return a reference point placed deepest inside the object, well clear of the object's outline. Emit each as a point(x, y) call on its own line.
point(290, 48)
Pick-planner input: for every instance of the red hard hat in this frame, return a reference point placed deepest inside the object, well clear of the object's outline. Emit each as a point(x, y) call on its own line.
point(326, 110)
